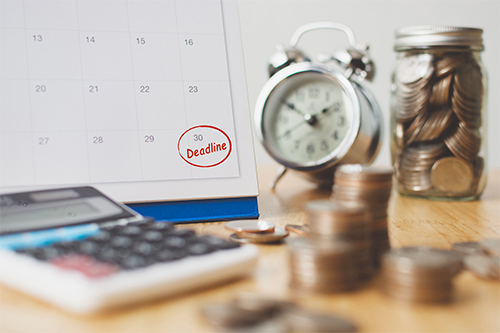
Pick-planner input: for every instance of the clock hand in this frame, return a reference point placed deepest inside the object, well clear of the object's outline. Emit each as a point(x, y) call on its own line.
point(321, 114)
point(290, 130)
point(309, 118)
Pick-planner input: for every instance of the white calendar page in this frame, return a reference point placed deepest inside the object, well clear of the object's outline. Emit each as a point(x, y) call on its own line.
point(146, 100)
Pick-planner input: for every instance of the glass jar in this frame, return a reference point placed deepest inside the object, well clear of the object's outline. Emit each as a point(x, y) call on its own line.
point(438, 113)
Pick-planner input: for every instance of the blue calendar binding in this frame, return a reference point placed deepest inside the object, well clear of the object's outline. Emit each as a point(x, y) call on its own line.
point(200, 210)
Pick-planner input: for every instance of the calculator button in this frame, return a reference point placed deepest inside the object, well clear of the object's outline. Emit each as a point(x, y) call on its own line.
point(89, 247)
point(131, 231)
point(174, 242)
point(164, 227)
point(43, 253)
point(197, 249)
point(184, 233)
point(70, 246)
point(110, 255)
point(220, 243)
point(102, 236)
point(114, 230)
point(170, 254)
point(152, 236)
point(143, 248)
point(121, 242)
point(133, 262)
point(86, 265)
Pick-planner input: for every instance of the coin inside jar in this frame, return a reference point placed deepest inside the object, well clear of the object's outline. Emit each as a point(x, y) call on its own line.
point(251, 226)
point(451, 174)
point(438, 96)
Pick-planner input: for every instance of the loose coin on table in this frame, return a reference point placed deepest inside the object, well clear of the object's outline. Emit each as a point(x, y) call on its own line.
point(467, 248)
point(483, 266)
point(491, 246)
point(266, 237)
point(301, 230)
point(252, 226)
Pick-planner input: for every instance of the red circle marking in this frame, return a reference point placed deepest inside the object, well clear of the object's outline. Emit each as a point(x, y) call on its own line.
point(206, 126)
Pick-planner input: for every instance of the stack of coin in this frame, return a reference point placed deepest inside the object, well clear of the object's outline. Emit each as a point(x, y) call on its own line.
point(255, 231)
point(334, 222)
point(320, 265)
point(368, 188)
point(437, 138)
point(420, 274)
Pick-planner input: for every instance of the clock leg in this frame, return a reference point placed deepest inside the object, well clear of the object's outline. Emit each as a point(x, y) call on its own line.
point(279, 174)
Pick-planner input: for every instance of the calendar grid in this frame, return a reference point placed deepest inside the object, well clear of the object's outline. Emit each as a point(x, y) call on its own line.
point(110, 101)
point(180, 56)
point(134, 96)
point(29, 100)
point(83, 92)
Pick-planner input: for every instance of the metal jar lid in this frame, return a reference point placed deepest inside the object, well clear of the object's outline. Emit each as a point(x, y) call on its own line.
point(425, 36)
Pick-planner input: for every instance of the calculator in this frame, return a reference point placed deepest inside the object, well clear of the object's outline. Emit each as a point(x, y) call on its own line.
point(83, 252)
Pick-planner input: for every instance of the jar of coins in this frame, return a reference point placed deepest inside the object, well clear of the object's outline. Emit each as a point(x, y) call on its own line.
point(438, 106)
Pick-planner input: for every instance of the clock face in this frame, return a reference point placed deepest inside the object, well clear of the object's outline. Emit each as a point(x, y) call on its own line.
point(306, 119)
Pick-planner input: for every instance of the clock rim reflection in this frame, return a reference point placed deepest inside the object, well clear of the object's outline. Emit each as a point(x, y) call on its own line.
point(351, 106)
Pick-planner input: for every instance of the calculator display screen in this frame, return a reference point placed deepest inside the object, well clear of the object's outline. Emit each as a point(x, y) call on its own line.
point(80, 208)
point(55, 208)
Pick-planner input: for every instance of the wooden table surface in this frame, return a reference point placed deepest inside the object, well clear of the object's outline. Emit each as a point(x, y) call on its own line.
point(475, 306)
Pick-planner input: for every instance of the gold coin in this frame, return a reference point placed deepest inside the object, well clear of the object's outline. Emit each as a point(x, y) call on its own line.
point(451, 174)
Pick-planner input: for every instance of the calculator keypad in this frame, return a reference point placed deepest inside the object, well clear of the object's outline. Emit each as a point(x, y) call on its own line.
point(127, 247)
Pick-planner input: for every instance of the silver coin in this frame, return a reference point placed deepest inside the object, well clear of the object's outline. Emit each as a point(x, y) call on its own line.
point(267, 237)
point(467, 248)
point(300, 320)
point(491, 246)
point(414, 68)
point(483, 266)
point(229, 316)
point(250, 226)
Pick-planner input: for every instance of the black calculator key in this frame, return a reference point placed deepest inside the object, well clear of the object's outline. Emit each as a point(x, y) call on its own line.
point(70, 246)
point(164, 227)
point(174, 242)
point(133, 262)
point(131, 230)
point(114, 230)
point(21, 251)
point(110, 255)
point(121, 242)
point(143, 248)
point(89, 247)
point(184, 233)
point(220, 243)
point(146, 221)
point(170, 254)
point(43, 253)
point(102, 236)
point(197, 249)
point(152, 236)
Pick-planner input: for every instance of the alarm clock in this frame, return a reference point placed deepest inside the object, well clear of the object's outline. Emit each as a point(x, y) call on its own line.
point(313, 116)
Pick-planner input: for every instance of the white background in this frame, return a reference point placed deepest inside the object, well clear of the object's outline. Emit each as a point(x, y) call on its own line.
point(266, 22)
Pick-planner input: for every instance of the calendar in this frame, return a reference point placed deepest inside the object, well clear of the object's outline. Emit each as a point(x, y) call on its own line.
point(143, 99)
